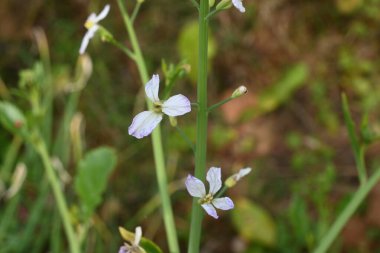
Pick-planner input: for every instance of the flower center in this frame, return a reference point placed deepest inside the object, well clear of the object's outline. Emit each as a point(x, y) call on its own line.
point(89, 24)
point(206, 199)
point(157, 107)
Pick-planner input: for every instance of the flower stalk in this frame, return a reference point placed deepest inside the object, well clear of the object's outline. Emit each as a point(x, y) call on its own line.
point(202, 118)
point(156, 138)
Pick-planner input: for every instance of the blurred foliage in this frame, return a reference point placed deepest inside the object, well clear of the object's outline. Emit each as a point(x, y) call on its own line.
point(295, 57)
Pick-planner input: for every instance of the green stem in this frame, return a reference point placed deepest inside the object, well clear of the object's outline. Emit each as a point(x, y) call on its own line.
point(349, 210)
point(356, 145)
point(158, 153)
point(201, 140)
point(220, 104)
point(135, 11)
point(59, 197)
point(10, 157)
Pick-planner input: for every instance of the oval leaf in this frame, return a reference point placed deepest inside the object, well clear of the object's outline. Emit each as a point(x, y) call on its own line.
point(92, 175)
point(254, 223)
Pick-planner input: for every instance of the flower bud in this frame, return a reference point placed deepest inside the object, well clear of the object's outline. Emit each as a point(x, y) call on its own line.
point(239, 91)
point(173, 121)
point(11, 117)
point(232, 180)
point(211, 3)
point(223, 5)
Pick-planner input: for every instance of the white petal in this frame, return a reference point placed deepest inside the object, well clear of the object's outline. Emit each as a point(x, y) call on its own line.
point(239, 5)
point(151, 88)
point(138, 235)
point(242, 173)
point(86, 39)
point(144, 123)
point(210, 210)
point(176, 105)
point(91, 18)
point(102, 14)
point(214, 177)
point(223, 203)
point(195, 187)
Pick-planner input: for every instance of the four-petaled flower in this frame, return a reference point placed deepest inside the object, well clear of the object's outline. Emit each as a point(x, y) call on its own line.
point(144, 122)
point(134, 246)
point(92, 26)
point(239, 5)
point(196, 188)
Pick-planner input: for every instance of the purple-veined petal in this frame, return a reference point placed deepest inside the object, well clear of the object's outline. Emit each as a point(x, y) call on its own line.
point(176, 105)
point(195, 187)
point(123, 249)
point(138, 235)
point(144, 123)
point(214, 177)
point(223, 203)
point(239, 5)
point(102, 14)
point(151, 88)
point(86, 39)
point(210, 210)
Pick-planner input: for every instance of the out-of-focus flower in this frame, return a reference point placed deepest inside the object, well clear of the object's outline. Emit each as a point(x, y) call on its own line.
point(133, 247)
point(92, 26)
point(232, 180)
point(144, 122)
point(196, 188)
point(239, 5)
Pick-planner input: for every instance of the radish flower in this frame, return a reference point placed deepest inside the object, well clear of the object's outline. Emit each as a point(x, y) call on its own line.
point(134, 246)
point(239, 5)
point(92, 26)
point(196, 188)
point(144, 122)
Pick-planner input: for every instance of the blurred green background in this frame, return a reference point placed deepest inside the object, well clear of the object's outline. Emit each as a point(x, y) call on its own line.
point(295, 56)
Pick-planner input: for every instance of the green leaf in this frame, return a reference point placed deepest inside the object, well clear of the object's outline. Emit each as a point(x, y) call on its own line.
point(254, 223)
point(187, 45)
point(92, 175)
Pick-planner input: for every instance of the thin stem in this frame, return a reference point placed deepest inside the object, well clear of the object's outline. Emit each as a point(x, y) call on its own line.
point(10, 158)
point(220, 104)
point(158, 153)
point(185, 138)
point(59, 197)
point(135, 11)
point(212, 13)
point(201, 144)
point(195, 3)
point(350, 209)
point(356, 146)
point(123, 48)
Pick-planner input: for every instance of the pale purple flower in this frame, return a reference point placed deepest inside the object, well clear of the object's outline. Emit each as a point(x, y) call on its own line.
point(239, 5)
point(134, 246)
point(196, 188)
point(144, 122)
point(92, 26)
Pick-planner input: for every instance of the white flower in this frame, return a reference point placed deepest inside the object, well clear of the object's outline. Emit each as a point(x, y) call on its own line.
point(196, 188)
point(239, 5)
point(134, 247)
point(144, 122)
point(92, 26)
